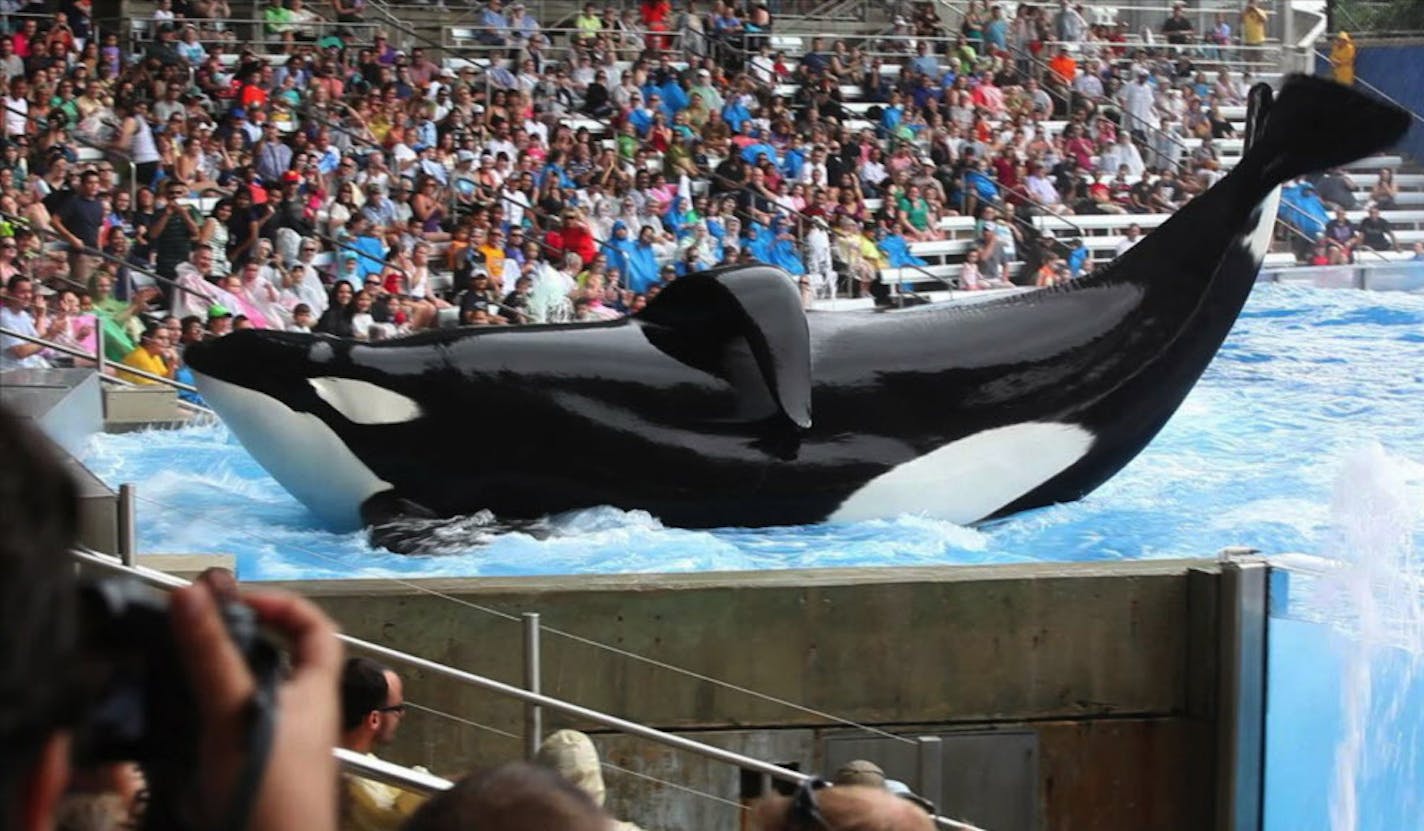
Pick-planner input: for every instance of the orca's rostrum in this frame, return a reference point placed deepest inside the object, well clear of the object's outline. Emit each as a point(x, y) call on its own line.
point(723, 404)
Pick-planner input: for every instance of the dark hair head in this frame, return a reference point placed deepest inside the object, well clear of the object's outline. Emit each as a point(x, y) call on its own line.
point(510, 798)
point(37, 529)
point(363, 689)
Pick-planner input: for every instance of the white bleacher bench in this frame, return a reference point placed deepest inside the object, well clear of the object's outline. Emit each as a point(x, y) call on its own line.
point(90, 154)
point(1088, 223)
point(958, 225)
point(228, 60)
point(1284, 259)
point(790, 90)
point(790, 44)
point(1403, 256)
point(892, 276)
point(204, 205)
point(462, 35)
point(1404, 181)
point(458, 64)
point(594, 126)
point(1375, 163)
point(941, 249)
point(1400, 219)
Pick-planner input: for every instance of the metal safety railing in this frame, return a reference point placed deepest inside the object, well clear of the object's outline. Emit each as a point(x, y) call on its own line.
point(1401, 275)
point(259, 31)
point(533, 700)
point(101, 365)
point(1300, 53)
point(1361, 82)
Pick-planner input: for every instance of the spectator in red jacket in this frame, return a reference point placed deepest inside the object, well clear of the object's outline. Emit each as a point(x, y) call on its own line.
point(572, 237)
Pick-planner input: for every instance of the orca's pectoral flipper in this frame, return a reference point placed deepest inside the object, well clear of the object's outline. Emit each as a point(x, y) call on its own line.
point(744, 324)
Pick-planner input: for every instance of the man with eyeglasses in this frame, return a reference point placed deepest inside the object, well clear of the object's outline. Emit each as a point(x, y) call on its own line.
point(372, 706)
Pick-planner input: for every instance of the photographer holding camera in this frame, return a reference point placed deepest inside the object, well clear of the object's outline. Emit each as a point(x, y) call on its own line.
point(285, 779)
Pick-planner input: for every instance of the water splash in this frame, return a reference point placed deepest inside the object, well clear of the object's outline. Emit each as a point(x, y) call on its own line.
point(1377, 600)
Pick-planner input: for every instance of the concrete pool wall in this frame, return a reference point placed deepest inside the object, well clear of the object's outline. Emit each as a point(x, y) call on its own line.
point(1089, 691)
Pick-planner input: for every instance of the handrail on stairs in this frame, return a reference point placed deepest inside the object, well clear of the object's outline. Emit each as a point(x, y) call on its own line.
point(98, 358)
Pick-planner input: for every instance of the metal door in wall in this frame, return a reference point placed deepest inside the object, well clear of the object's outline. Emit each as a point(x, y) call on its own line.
point(987, 777)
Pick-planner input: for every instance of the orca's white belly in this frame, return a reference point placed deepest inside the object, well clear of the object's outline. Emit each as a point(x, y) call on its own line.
point(970, 478)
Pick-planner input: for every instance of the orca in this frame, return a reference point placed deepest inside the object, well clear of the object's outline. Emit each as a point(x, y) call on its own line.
point(724, 404)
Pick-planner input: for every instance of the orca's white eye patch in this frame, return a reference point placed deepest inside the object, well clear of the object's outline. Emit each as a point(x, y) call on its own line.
point(362, 402)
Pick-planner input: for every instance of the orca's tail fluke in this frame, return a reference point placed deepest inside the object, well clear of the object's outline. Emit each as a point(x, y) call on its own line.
point(1314, 124)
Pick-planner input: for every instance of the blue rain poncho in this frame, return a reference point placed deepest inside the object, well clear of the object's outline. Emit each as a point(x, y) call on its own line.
point(735, 114)
point(897, 252)
point(751, 151)
point(1301, 207)
point(781, 253)
point(619, 248)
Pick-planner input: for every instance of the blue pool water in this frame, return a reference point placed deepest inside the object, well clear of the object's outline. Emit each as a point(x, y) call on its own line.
point(1304, 436)
point(1307, 379)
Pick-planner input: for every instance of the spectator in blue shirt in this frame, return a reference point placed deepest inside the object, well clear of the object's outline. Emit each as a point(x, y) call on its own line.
point(925, 61)
point(1077, 258)
point(892, 115)
point(996, 31)
point(815, 62)
point(496, 25)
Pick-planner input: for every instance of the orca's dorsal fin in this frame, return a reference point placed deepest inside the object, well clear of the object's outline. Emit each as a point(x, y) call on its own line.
point(713, 319)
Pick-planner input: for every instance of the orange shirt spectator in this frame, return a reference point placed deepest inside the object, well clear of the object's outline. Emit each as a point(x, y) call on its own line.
point(1063, 67)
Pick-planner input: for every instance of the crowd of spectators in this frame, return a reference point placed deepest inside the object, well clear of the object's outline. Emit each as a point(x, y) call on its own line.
point(312, 182)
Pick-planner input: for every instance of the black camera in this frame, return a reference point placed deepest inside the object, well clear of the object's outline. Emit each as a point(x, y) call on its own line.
point(140, 706)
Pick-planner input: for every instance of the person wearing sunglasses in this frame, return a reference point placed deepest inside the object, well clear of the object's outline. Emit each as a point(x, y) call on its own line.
point(372, 707)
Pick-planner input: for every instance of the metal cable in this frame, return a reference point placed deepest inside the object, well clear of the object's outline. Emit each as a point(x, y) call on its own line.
point(727, 685)
point(601, 762)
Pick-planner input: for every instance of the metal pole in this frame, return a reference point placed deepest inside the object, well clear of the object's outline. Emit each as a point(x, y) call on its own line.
point(929, 767)
point(706, 751)
point(1241, 714)
point(1287, 15)
point(533, 713)
point(127, 534)
point(99, 357)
